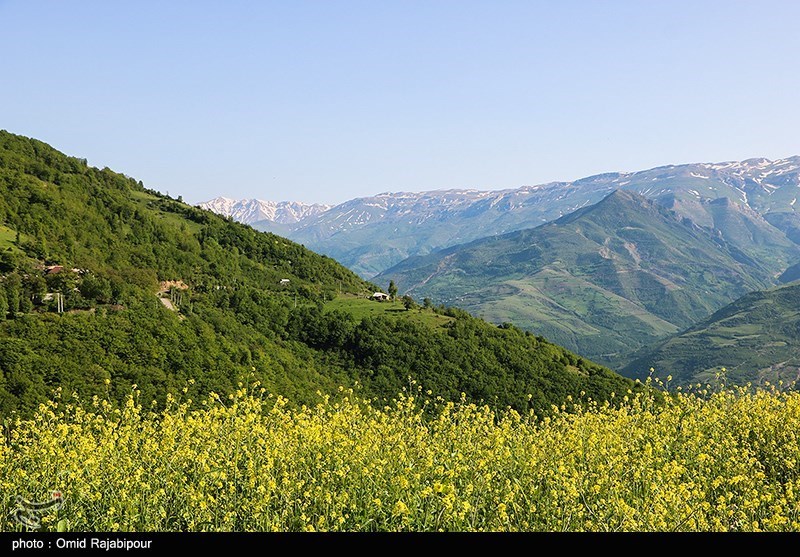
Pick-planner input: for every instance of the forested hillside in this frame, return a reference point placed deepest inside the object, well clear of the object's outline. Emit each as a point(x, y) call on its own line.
point(105, 283)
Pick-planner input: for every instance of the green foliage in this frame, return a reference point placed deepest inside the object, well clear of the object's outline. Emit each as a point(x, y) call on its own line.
point(225, 315)
point(8, 260)
point(96, 288)
point(502, 366)
point(3, 305)
point(755, 339)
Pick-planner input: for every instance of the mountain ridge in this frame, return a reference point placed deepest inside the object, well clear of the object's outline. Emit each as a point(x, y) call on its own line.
point(249, 211)
point(603, 280)
point(370, 234)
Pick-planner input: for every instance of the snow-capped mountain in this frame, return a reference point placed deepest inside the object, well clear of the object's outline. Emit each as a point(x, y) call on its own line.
point(250, 211)
point(370, 234)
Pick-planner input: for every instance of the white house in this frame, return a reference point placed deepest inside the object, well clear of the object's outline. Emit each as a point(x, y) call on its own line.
point(380, 296)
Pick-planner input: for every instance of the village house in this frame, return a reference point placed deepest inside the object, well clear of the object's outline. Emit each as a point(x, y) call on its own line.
point(380, 296)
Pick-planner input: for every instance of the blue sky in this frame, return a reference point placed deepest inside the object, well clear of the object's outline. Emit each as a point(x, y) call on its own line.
point(325, 101)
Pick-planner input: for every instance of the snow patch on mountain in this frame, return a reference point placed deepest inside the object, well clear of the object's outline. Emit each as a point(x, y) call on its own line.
point(250, 211)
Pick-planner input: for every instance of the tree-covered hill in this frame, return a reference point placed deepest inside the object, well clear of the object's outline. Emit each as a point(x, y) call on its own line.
point(105, 283)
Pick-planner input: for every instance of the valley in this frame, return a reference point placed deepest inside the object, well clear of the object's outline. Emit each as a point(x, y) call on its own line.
point(607, 295)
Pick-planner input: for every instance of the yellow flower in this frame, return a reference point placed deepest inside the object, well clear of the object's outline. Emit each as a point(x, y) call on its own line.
point(400, 508)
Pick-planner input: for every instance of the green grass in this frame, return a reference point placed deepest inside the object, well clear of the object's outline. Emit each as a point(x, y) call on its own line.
point(142, 196)
point(363, 307)
point(8, 238)
point(552, 304)
point(178, 220)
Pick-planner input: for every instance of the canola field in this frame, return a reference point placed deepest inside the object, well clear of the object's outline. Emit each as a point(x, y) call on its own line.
point(709, 461)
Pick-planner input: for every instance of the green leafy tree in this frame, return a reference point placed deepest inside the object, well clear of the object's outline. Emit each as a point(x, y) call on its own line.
point(392, 289)
point(25, 304)
point(96, 288)
point(8, 261)
point(409, 303)
point(35, 286)
point(3, 303)
point(13, 292)
point(63, 282)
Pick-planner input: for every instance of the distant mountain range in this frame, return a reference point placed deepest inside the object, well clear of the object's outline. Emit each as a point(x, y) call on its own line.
point(371, 234)
point(756, 338)
point(608, 278)
point(250, 211)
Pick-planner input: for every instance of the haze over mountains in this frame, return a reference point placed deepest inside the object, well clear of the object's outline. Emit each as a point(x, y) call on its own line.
point(371, 234)
point(627, 259)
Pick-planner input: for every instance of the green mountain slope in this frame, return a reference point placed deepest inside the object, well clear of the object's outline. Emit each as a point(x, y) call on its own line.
point(604, 280)
point(158, 293)
point(756, 338)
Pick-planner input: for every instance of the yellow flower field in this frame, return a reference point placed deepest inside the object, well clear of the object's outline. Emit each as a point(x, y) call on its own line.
point(720, 461)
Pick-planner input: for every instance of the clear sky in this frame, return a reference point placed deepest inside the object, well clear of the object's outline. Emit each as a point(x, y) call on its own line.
point(322, 101)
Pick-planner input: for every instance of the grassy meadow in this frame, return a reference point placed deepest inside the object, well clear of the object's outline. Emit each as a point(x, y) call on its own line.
point(361, 307)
